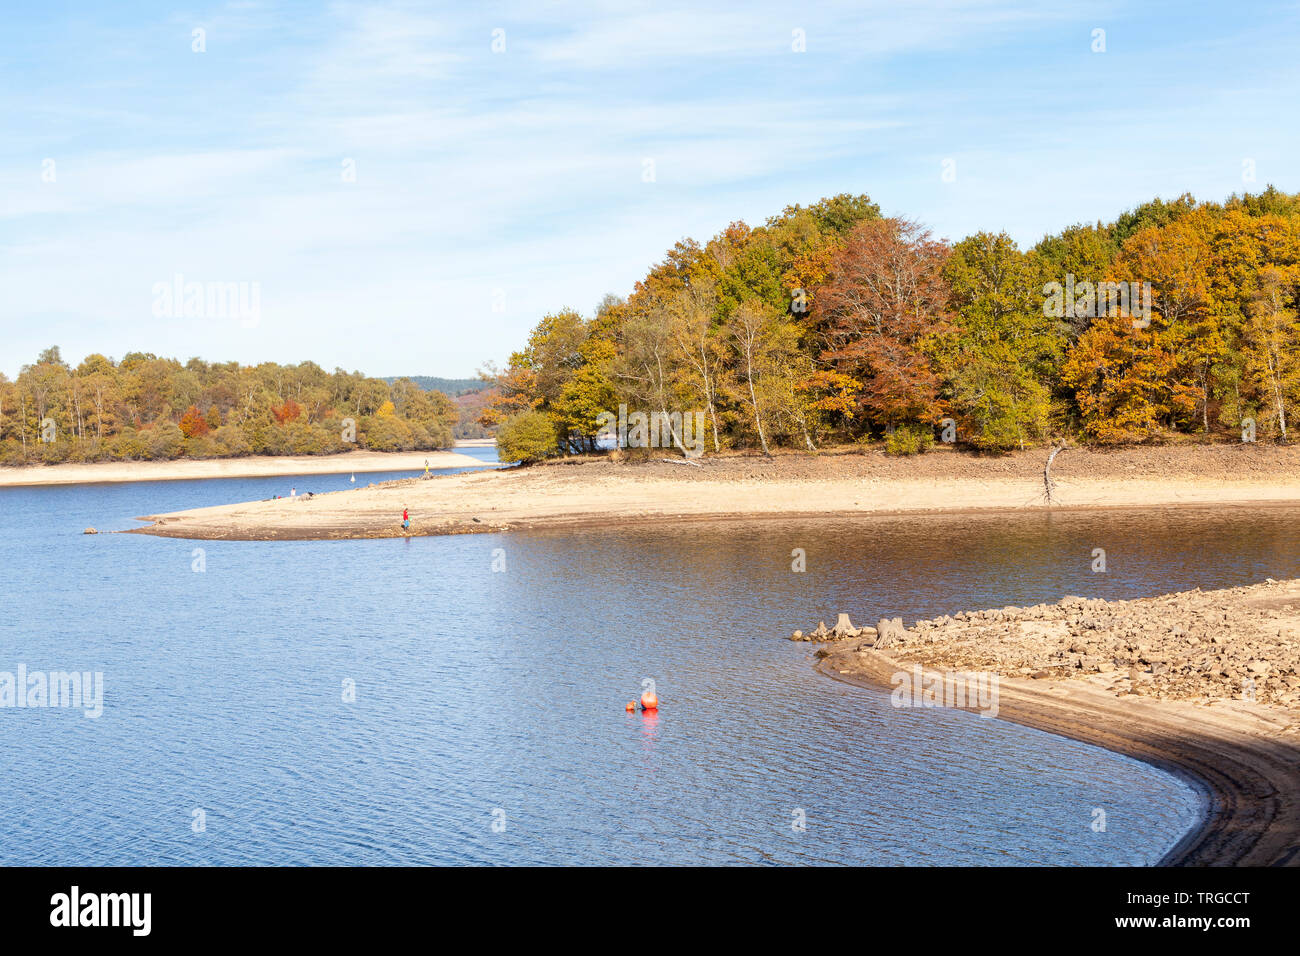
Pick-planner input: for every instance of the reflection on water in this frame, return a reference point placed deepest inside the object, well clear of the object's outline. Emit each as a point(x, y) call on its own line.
point(488, 723)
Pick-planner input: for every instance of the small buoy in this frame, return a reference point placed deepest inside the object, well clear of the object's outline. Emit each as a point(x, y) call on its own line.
point(631, 706)
point(649, 701)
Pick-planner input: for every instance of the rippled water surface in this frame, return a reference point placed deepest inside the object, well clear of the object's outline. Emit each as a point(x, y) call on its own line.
point(488, 725)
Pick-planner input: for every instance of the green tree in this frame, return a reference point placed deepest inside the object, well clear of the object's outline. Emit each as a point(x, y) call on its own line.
point(1002, 349)
point(526, 437)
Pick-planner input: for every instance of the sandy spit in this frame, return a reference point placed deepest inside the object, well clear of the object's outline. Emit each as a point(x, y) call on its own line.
point(600, 491)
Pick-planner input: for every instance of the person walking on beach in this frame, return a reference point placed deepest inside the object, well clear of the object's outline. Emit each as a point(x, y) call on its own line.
point(406, 520)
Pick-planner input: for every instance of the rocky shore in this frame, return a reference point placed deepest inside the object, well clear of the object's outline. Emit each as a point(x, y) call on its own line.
point(1242, 643)
point(1205, 684)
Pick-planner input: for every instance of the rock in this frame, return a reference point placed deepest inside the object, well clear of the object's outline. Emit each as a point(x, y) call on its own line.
point(797, 636)
point(1039, 675)
point(821, 633)
point(90, 531)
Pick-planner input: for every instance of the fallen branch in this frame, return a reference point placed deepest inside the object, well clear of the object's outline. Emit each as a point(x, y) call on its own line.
point(681, 461)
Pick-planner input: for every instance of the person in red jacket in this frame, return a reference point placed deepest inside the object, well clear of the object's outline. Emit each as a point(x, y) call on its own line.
point(406, 519)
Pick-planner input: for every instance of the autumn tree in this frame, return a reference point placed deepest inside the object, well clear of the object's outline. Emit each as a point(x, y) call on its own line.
point(699, 346)
point(1175, 258)
point(193, 424)
point(1120, 375)
point(1272, 339)
point(878, 317)
point(290, 411)
point(587, 394)
point(751, 329)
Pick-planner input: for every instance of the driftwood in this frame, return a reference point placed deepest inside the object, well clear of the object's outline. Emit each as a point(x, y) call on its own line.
point(681, 461)
point(1048, 485)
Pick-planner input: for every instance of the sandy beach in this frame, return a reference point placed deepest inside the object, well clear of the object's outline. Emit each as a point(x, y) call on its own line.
point(1166, 682)
point(600, 491)
point(252, 467)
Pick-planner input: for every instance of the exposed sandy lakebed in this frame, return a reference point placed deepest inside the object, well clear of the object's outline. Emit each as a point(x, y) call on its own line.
point(603, 491)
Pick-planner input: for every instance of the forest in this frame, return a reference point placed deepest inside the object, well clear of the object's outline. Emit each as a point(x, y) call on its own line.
point(145, 407)
point(831, 324)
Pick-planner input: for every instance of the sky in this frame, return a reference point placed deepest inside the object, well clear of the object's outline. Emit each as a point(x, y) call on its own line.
point(406, 188)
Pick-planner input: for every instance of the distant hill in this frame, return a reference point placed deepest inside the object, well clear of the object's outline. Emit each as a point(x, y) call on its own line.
point(450, 387)
point(471, 396)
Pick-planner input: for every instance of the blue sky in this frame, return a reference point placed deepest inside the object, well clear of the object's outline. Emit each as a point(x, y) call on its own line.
point(493, 187)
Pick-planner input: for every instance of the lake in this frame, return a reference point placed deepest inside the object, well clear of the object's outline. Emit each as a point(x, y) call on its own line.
point(461, 699)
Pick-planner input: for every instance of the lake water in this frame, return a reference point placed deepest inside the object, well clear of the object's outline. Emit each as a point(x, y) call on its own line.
point(488, 723)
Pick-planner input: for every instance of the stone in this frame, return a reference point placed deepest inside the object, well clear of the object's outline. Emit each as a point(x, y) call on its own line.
point(90, 531)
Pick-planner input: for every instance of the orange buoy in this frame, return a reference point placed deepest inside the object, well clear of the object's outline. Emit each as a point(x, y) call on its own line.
point(649, 701)
point(631, 706)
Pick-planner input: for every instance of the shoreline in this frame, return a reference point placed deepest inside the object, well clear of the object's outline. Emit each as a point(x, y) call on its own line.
point(608, 492)
point(1243, 759)
point(250, 466)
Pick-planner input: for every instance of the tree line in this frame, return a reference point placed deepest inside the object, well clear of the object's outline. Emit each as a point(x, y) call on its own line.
point(146, 407)
point(832, 323)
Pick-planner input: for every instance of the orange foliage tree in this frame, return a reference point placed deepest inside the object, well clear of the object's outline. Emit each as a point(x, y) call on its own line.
point(885, 303)
point(193, 424)
point(290, 411)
